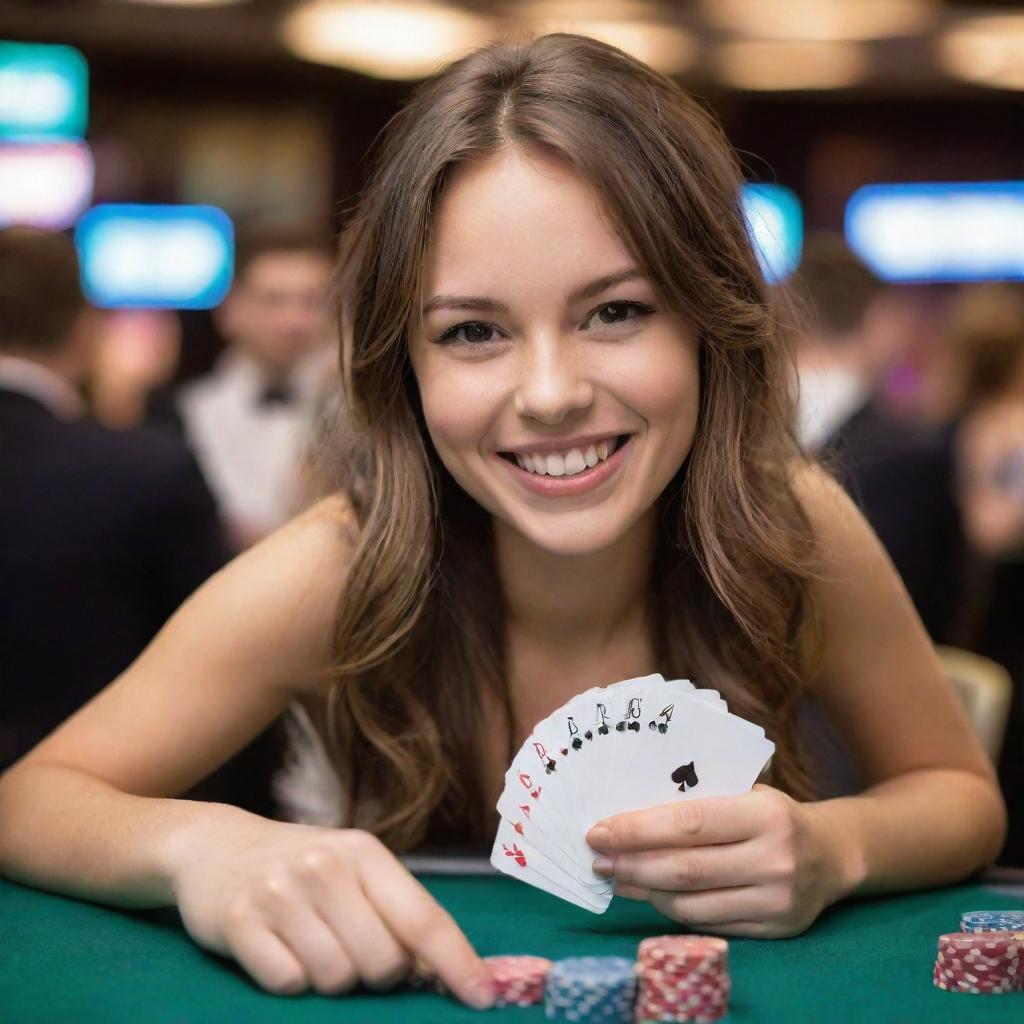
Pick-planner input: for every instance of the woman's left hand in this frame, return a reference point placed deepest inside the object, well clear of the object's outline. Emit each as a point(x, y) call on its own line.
point(759, 864)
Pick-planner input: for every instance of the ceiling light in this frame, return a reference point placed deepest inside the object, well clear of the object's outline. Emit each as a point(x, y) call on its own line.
point(823, 20)
point(635, 28)
point(782, 66)
point(185, 3)
point(987, 51)
point(402, 40)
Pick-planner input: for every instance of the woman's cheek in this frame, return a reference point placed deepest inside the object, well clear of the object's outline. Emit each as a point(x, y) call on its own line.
point(455, 412)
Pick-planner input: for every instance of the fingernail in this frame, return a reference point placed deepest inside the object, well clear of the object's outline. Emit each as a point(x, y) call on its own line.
point(599, 835)
point(480, 993)
point(604, 866)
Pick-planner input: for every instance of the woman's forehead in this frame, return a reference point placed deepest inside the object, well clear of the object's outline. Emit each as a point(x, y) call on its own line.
point(517, 216)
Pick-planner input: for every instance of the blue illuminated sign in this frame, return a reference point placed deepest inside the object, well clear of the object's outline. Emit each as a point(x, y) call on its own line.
point(939, 232)
point(776, 225)
point(156, 257)
point(43, 91)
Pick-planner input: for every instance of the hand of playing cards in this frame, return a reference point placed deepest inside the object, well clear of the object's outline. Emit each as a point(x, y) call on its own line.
point(624, 747)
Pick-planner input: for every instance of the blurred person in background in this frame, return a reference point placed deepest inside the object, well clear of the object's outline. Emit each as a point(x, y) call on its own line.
point(104, 532)
point(249, 419)
point(987, 344)
point(900, 474)
point(136, 352)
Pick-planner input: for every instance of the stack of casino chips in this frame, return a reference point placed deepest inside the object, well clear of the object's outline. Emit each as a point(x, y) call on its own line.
point(518, 980)
point(597, 989)
point(992, 921)
point(979, 962)
point(682, 978)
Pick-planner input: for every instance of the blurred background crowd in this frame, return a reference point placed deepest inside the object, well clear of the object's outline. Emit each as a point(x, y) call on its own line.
point(173, 174)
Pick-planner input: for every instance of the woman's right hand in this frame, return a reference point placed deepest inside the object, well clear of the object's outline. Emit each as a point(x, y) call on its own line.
point(300, 906)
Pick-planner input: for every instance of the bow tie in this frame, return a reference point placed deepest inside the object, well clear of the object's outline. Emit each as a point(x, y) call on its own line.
point(275, 395)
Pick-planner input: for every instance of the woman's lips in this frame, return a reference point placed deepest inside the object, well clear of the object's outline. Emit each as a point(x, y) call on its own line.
point(566, 486)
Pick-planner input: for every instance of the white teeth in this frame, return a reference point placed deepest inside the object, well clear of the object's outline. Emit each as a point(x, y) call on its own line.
point(567, 463)
point(575, 462)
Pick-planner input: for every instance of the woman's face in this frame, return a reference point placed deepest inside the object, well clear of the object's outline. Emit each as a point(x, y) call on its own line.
point(557, 389)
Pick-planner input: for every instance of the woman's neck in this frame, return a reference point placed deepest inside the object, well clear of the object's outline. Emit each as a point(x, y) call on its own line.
point(577, 604)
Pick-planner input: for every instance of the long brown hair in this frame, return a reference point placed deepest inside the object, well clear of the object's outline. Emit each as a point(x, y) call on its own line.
point(419, 637)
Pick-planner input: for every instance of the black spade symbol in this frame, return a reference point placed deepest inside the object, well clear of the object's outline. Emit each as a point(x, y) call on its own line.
point(685, 776)
point(633, 726)
point(652, 726)
point(603, 730)
point(564, 751)
point(577, 743)
point(588, 735)
point(620, 726)
point(662, 728)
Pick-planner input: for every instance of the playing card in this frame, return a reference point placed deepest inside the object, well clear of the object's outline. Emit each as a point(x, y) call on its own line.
point(634, 744)
point(552, 748)
point(700, 752)
point(513, 855)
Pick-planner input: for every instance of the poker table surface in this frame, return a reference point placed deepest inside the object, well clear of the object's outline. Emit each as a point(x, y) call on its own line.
point(863, 960)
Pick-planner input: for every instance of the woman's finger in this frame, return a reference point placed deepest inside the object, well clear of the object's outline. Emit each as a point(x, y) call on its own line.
point(283, 904)
point(328, 965)
point(265, 957)
point(425, 929)
point(378, 956)
point(689, 869)
point(718, 906)
point(714, 820)
point(744, 929)
point(631, 892)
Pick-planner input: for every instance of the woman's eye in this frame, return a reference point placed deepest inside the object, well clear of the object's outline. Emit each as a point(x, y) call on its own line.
point(475, 334)
point(621, 312)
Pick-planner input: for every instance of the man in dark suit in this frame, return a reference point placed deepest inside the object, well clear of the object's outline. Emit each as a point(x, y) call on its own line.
point(899, 473)
point(102, 533)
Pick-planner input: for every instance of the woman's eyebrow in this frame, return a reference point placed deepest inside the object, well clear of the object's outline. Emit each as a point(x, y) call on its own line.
point(487, 305)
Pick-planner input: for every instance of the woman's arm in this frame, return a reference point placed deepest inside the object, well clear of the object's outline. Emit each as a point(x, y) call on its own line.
point(932, 812)
point(763, 864)
point(88, 811)
point(82, 812)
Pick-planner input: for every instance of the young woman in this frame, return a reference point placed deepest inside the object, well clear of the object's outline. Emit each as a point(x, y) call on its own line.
point(566, 460)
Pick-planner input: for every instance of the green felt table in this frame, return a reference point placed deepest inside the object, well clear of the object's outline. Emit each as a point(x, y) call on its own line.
point(867, 960)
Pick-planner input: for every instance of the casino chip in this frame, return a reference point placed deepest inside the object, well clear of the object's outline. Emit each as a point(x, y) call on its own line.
point(979, 962)
point(992, 921)
point(682, 978)
point(518, 980)
point(591, 988)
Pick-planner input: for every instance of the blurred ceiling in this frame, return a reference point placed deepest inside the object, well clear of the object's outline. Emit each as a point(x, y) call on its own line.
point(706, 43)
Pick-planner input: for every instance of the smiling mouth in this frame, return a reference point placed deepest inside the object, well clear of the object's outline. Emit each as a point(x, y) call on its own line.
point(569, 462)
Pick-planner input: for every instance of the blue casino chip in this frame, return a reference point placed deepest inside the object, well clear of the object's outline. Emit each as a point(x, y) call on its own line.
point(591, 988)
point(992, 921)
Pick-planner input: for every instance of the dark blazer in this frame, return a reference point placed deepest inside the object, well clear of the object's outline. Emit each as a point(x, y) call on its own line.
point(901, 476)
point(102, 535)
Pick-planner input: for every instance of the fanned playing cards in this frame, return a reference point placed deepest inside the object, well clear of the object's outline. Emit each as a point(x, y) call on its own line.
point(624, 747)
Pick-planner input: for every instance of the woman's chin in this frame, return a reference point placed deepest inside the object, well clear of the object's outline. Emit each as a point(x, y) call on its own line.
point(569, 536)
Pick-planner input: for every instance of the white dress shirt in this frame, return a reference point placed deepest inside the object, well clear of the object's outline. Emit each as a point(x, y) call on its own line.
point(250, 452)
point(827, 399)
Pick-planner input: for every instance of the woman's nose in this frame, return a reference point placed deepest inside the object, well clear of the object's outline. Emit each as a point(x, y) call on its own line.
point(553, 381)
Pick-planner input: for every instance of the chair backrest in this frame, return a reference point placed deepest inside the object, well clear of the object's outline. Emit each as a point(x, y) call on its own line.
point(985, 689)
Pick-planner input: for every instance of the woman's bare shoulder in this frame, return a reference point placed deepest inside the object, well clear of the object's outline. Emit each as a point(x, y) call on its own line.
point(290, 584)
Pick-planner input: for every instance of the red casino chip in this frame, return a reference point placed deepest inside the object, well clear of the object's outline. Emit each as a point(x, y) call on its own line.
point(518, 980)
point(682, 978)
point(979, 962)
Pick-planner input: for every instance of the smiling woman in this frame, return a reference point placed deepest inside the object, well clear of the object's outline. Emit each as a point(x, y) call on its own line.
point(554, 322)
point(565, 459)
